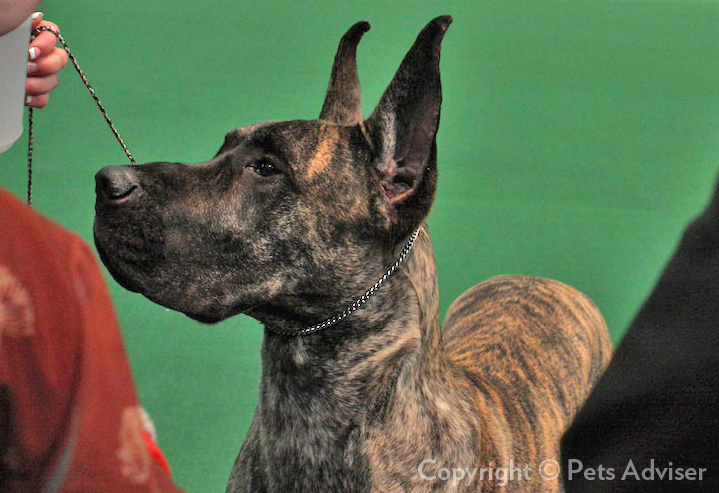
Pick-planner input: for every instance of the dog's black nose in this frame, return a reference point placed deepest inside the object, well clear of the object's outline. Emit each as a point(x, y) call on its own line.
point(116, 183)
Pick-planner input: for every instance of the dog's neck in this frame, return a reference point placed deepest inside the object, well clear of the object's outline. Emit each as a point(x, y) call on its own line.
point(403, 312)
point(417, 292)
point(317, 391)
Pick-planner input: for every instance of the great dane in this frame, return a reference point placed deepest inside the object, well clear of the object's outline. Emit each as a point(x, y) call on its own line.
point(317, 228)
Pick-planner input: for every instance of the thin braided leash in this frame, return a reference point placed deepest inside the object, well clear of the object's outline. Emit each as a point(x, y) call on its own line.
point(356, 305)
point(30, 118)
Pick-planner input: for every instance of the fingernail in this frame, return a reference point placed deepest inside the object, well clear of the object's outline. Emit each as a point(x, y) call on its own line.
point(31, 67)
point(36, 15)
point(34, 52)
point(28, 99)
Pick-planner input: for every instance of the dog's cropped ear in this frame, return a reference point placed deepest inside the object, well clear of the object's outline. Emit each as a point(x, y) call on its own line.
point(403, 128)
point(343, 101)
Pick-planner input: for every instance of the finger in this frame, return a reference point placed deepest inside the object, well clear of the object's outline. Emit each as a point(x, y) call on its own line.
point(49, 64)
point(44, 43)
point(37, 101)
point(36, 19)
point(35, 86)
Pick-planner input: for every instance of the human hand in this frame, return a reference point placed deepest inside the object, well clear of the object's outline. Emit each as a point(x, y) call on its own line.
point(45, 61)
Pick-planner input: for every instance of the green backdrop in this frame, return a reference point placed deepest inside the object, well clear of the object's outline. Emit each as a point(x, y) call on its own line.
point(577, 139)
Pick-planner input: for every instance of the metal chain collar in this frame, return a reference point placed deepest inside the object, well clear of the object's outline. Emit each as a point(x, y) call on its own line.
point(34, 34)
point(356, 305)
point(359, 302)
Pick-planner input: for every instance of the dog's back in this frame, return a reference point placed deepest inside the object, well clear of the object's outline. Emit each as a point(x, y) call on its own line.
point(533, 348)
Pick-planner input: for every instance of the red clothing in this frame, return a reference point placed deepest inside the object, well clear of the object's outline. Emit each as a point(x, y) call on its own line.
point(70, 419)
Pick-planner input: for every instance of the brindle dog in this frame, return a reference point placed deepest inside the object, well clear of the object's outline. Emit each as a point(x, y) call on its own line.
point(289, 223)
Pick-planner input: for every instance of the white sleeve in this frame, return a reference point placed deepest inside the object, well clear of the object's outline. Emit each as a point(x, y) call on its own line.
point(13, 71)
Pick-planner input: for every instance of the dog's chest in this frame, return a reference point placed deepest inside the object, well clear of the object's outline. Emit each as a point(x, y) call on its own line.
point(312, 453)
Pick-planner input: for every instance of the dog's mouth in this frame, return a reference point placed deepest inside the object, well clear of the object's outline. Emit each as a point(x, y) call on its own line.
point(139, 276)
point(116, 273)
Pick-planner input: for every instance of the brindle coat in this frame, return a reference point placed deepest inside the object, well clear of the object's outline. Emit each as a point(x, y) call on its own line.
point(288, 223)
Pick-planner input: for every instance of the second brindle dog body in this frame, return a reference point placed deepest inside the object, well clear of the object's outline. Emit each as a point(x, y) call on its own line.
point(289, 223)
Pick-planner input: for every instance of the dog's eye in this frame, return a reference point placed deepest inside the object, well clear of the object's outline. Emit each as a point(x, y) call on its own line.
point(263, 167)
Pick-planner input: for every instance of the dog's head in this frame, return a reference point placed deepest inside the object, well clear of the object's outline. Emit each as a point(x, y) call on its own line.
point(287, 214)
